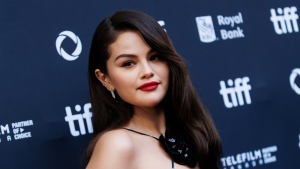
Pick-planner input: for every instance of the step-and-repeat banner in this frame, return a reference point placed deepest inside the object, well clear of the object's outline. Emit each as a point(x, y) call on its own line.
point(243, 56)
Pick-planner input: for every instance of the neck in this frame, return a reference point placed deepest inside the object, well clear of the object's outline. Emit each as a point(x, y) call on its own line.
point(150, 121)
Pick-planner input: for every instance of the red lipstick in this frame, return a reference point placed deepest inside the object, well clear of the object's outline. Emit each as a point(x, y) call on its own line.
point(149, 86)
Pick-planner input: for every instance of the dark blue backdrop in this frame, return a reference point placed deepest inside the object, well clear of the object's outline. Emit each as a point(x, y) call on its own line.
point(251, 52)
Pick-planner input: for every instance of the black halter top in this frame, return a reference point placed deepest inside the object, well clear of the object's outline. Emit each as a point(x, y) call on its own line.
point(148, 136)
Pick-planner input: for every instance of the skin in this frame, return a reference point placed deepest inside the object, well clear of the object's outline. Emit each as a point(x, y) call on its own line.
point(131, 64)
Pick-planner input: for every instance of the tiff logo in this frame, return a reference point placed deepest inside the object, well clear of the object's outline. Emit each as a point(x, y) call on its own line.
point(285, 21)
point(71, 118)
point(233, 94)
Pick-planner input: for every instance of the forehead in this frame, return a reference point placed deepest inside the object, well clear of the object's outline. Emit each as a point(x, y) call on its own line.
point(129, 42)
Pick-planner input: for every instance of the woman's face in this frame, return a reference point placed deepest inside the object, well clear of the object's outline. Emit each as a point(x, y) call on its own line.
point(136, 72)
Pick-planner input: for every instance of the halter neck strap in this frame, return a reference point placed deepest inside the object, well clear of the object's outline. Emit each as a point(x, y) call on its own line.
point(141, 133)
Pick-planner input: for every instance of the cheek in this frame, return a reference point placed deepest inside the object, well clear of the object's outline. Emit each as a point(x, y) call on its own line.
point(125, 87)
point(167, 72)
point(123, 82)
point(166, 75)
point(164, 71)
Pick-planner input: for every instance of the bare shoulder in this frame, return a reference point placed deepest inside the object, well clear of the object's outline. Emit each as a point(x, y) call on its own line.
point(115, 139)
point(114, 149)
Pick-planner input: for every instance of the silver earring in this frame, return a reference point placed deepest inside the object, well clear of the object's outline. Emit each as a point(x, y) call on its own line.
point(113, 94)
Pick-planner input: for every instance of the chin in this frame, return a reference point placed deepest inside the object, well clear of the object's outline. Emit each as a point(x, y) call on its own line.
point(154, 103)
point(148, 103)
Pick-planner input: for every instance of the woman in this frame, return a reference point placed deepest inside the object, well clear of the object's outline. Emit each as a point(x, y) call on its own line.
point(146, 113)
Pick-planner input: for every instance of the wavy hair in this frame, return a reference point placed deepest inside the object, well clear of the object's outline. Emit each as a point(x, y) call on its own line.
point(181, 101)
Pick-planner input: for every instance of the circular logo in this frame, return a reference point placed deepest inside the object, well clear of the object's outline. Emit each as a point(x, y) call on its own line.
point(295, 73)
point(62, 36)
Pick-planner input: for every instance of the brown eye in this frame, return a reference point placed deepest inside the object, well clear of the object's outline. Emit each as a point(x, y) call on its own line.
point(154, 57)
point(128, 64)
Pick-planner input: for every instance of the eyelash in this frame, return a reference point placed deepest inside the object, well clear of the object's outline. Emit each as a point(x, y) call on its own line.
point(126, 64)
point(129, 63)
point(156, 57)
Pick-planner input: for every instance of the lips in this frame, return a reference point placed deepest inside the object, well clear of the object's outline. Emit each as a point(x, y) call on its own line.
point(149, 86)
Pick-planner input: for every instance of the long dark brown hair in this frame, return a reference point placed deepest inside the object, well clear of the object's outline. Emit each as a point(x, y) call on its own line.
point(181, 100)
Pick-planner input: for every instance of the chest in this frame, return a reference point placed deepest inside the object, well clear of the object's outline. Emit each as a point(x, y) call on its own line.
point(150, 155)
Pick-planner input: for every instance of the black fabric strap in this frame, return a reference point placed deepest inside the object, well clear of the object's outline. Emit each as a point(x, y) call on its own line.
point(149, 136)
point(173, 164)
point(141, 133)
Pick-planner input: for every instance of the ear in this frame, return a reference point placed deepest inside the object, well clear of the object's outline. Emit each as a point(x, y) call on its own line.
point(104, 79)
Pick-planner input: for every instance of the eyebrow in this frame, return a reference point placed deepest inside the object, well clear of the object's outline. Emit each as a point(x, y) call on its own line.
point(132, 55)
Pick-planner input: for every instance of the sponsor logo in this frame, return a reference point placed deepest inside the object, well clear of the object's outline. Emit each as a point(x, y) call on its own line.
point(162, 23)
point(232, 21)
point(79, 118)
point(19, 131)
point(250, 159)
point(285, 21)
point(299, 140)
point(233, 94)
point(293, 76)
point(62, 36)
point(206, 28)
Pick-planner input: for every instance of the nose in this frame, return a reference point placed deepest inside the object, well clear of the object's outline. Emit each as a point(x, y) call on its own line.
point(147, 71)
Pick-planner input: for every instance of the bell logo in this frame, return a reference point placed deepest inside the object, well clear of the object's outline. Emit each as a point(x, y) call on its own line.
point(233, 95)
point(294, 74)
point(62, 36)
point(286, 21)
